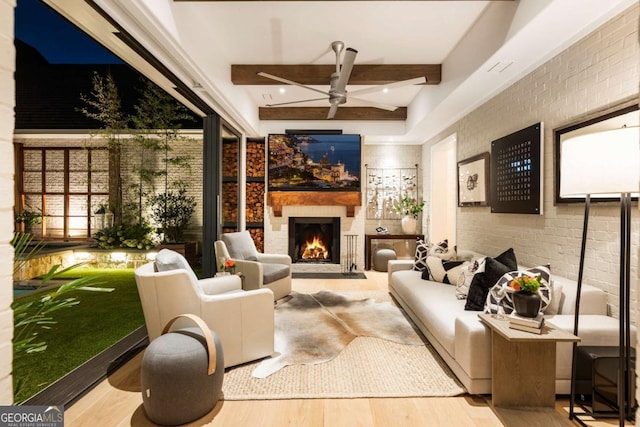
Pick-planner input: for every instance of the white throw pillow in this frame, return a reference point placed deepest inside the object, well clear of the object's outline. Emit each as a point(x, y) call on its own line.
point(443, 251)
point(443, 271)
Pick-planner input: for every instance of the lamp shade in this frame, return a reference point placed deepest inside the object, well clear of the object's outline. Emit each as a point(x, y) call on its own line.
point(602, 164)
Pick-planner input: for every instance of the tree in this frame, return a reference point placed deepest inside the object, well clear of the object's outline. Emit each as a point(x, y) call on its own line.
point(158, 119)
point(103, 104)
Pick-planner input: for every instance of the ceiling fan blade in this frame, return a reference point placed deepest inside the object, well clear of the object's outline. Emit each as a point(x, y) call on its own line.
point(374, 104)
point(401, 83)
point(291, 82)
point(332, 110)
point(295, 102)
point(347, 67)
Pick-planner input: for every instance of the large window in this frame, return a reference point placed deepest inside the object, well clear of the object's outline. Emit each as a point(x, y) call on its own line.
point(66, 185)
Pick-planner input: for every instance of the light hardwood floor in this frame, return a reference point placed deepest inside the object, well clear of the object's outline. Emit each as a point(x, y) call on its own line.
point(117, 401)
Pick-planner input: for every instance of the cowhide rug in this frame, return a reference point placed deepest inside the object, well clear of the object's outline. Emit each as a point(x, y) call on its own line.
point(312, 329)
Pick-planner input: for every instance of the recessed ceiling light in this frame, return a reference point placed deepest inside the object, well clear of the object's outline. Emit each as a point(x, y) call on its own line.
point(385, 90)
point(282, 90)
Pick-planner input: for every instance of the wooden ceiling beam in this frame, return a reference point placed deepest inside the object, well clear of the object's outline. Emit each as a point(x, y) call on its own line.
point(220, 1)
point(320, 113)
point(362, 74)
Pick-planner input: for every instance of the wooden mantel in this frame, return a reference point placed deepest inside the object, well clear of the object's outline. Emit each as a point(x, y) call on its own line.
point(349, 199)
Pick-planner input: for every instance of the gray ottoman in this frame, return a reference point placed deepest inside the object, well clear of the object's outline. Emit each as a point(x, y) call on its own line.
point(381, 257)
point(177, 386)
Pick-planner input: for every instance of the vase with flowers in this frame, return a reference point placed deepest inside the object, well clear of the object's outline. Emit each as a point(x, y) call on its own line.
point(226, 266)
point(409, 208)
point(526, 300)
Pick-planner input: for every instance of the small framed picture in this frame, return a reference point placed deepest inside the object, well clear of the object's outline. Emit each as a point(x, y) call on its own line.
point(473, 181)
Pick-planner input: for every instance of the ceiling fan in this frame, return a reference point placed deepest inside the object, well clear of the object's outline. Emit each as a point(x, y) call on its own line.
point(337, 94)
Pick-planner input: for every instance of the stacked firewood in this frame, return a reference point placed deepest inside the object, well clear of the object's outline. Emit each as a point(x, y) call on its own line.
point(255, 159)
point(255, 202)
point(230, 202)
point(258, 238)
point(230, 160)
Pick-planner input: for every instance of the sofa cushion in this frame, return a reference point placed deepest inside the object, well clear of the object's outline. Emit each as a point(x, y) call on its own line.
point(272, 272)
point(556, 295)
point(240, 245)
point(598, 330)
point(490, 270)
point(432, 303)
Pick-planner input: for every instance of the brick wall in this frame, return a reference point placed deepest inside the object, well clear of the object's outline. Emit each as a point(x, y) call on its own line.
point(596, 73)
point(7, 121)
point(191, 147)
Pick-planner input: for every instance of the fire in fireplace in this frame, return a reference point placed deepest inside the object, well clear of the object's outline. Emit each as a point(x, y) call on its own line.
point(314, 239)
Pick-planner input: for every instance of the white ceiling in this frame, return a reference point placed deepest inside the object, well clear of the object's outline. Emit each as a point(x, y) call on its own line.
point(199, 40)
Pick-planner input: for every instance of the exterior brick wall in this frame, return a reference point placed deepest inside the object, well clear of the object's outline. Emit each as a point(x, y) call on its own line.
point(595, 74)
point(7, 122)
point(192, 148)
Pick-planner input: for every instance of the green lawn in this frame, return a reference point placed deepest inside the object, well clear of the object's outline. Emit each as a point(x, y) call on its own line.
point(81, 332)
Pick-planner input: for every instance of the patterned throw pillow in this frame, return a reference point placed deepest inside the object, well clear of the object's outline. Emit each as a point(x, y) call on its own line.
point(439, 270)
point(466, 277)
point(443, 251)
point(422, 252)
point(545, 290)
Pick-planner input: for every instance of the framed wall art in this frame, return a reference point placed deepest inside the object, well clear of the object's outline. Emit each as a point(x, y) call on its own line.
point(516, 172)
point(473, 181)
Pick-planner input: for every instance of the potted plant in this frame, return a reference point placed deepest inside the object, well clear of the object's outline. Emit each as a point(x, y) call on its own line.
point(526, 300)
point(171, 211)
point(28, 219)
point(409, 208)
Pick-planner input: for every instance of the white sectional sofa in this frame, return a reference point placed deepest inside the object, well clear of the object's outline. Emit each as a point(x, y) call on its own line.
point(465, 343)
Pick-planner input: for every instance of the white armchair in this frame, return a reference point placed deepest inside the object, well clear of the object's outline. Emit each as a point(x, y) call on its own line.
point(243, 321)
point(272, 271)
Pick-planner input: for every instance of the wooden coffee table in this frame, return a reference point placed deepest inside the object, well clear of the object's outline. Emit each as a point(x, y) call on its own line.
point(523, 364)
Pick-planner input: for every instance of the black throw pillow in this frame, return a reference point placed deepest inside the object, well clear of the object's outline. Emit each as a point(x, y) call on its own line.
point(507, 258)
point(494, 268)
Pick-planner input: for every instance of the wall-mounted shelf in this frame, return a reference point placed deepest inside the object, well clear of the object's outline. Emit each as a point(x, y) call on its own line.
point(348, 199)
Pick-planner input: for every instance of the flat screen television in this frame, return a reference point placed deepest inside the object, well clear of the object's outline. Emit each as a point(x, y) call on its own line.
point(314, 162)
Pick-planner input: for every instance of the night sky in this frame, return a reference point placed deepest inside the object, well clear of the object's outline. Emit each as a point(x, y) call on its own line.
point(55, 38)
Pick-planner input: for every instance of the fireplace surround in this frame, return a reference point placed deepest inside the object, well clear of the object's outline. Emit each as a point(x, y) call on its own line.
point(314, 240)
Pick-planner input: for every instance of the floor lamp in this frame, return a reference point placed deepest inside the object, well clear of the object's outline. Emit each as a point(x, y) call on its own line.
point(605, 165)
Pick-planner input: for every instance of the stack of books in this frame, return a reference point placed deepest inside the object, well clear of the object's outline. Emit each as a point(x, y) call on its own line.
point(527, 324)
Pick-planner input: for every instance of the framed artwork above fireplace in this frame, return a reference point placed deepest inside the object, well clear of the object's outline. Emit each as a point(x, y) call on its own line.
point(300, 162)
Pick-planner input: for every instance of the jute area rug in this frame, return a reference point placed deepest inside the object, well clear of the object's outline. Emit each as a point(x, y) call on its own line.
point(367, 366)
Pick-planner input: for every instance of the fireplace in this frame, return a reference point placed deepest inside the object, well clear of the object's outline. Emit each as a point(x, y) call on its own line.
point(314, 240)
